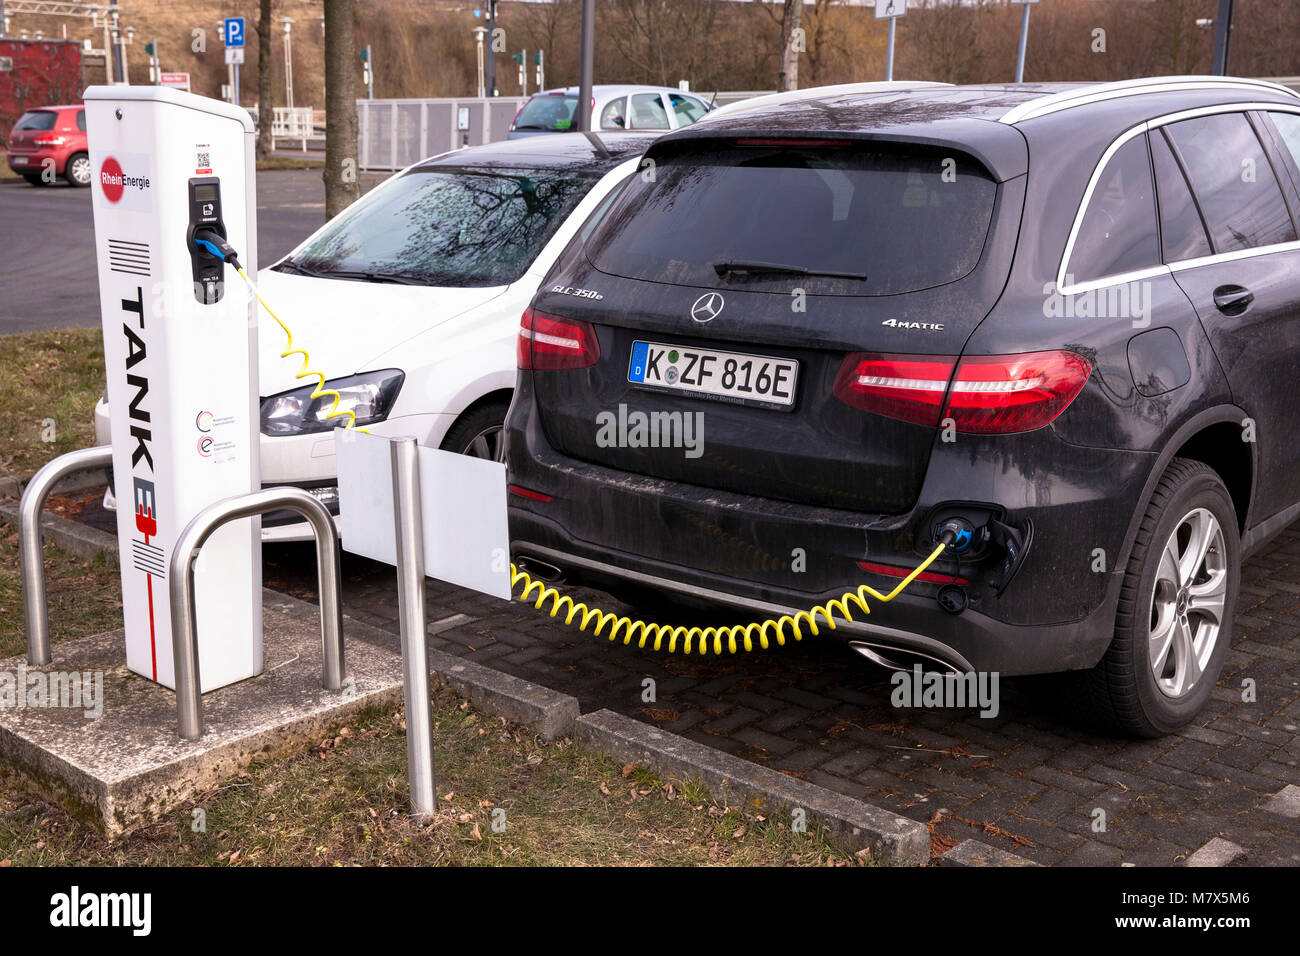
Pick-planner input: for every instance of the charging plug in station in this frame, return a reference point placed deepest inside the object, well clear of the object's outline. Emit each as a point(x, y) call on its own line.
point(205, 217)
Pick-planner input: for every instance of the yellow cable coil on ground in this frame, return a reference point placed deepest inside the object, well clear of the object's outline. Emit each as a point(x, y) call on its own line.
point(320, 391)
point(737, 636)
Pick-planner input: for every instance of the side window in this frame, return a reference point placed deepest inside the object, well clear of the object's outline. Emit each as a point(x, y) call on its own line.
point(1118, 231)
point(1286, 140)
point(686, 108)
point(1233, 182)
point(1181, 231)
point(648, 112)
point(614, 116)
point(81, 120)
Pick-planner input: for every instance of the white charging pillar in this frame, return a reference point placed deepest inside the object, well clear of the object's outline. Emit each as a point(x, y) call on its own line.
point(181, 358)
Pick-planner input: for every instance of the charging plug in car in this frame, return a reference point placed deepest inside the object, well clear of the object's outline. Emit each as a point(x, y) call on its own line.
point(961, 534)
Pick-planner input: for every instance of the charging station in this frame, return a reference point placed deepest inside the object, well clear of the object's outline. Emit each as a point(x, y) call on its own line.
point(180, 350)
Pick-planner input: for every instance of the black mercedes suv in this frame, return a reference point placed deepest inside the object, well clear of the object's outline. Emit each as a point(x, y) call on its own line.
point(1063, 319)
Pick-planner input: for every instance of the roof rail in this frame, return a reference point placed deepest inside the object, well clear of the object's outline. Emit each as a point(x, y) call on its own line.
point(1097, 92)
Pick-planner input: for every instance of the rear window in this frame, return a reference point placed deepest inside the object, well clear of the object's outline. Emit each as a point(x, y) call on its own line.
point(37, 120)
point(448, 226)
point(551, 113)
point(853, 219)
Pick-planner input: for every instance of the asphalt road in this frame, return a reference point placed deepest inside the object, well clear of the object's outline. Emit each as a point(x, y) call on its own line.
point(48, 278)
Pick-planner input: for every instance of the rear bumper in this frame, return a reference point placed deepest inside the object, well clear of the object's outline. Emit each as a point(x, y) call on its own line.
point(33, 163)
point(761, 555)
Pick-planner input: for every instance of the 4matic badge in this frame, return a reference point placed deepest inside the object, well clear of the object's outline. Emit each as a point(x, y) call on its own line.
point(923, 326)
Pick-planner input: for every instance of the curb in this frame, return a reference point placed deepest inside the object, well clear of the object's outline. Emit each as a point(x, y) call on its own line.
point(975, 853)
point(545, 712)
point(851, 824)
point(13, 486)
point(72, 536)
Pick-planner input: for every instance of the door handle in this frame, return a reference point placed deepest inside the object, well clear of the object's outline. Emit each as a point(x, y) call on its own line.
point(1232, 299)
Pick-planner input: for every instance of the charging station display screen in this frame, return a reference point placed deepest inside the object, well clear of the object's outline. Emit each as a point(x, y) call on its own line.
point(205, 193)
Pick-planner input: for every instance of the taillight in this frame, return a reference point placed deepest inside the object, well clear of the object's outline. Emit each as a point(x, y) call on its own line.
point(988, 394)
point(996, 394)
point(906, 387)
point(49, 140)
point(547, 342)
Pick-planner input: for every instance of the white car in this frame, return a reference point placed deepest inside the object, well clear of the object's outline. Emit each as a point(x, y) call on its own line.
point(409, 302)
point(613, 107)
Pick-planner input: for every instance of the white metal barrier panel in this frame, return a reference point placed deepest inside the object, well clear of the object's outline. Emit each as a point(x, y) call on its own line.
point(393, 134)
point(180, 351)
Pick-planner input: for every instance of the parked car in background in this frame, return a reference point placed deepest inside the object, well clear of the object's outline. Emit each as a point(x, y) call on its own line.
point(54, 138)
point(614, 107)
point(409, 301)
point(1064, 317)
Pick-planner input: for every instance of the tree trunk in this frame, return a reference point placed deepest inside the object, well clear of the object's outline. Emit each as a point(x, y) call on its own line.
point(341, 183)
point(791, 45)
point(264, 104)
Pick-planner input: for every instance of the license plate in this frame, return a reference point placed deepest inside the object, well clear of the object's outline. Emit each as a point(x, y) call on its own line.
point(734, 376)
point(18, 160)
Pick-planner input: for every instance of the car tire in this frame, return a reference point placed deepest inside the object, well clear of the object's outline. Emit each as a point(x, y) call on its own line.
point(1167, 652)
point(479, 432)
point(77, 170)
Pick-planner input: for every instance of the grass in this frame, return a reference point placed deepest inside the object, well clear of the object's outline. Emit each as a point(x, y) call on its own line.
point(343, 801)
point(84, 596)
point(49, 383)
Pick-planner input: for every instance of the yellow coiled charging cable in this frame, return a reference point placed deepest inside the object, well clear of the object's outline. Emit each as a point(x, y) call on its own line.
point(737, 637)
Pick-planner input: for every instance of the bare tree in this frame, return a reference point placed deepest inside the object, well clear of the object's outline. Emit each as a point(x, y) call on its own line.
point(791, 45)
point(264, 114)
point(341, 183)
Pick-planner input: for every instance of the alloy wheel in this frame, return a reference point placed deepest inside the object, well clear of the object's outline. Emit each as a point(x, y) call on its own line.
point(1187, 603)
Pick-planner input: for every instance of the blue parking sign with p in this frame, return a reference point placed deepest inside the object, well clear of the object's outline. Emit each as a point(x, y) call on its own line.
point(234, 31)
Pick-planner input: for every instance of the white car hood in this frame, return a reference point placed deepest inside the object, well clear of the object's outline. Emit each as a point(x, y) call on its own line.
point(344, 324)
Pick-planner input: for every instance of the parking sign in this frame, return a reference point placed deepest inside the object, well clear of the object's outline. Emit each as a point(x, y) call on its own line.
point(234, 31)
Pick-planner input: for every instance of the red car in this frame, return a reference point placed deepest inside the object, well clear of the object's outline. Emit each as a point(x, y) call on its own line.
point(54, 138)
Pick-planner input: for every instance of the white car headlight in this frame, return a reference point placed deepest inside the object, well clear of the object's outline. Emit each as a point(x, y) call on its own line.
point(369, 396)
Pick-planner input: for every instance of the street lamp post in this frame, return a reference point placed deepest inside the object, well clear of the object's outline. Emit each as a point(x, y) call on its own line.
point(478, 44)
point(288, 62)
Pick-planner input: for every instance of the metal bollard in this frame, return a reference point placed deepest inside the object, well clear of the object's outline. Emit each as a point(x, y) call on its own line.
point(185, 648)
point(30, 542)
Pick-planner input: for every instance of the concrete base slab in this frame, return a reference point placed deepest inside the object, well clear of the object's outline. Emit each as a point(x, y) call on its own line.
point(127, 766)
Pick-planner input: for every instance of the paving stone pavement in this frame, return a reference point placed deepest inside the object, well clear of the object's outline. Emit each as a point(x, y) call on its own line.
point(1026, 781)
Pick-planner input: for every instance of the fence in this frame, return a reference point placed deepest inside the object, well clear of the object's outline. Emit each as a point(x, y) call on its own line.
point(293, 122)
point(395, 133)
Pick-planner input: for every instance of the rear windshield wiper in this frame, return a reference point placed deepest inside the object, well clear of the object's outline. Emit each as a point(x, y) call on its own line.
point(755, 267)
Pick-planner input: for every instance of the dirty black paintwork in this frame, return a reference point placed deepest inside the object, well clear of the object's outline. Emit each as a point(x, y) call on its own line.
point(1159, 382)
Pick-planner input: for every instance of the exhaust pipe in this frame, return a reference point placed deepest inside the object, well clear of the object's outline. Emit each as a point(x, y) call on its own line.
point(540, 569)
point(903, 659)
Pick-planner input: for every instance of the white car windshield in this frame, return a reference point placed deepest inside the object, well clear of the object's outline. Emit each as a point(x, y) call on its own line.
point(447, 226)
